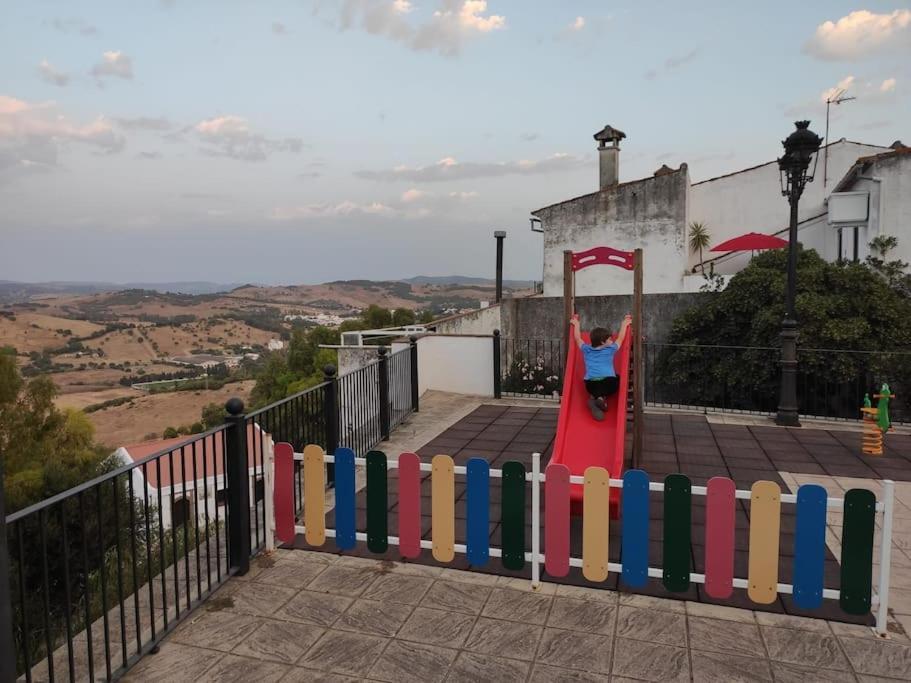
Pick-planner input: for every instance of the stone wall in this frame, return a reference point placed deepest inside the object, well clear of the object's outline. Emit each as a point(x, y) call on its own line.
point(542, 317)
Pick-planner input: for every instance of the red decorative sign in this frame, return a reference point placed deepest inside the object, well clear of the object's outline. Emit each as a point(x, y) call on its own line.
point(603, 256)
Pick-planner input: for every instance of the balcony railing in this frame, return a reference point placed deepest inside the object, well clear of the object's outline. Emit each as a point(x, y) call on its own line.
point(99, 574)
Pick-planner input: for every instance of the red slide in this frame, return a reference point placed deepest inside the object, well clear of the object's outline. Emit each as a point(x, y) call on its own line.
point(581, 440)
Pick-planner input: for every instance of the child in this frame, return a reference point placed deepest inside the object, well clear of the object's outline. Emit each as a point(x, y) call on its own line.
point(601, 380)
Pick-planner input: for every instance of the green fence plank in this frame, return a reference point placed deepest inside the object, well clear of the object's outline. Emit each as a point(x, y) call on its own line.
point(676, 561)
point(377, 503)
point(857, 551)
point(512, 522)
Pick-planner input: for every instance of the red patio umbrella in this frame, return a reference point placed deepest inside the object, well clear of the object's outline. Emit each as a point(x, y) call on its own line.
point(752, 241)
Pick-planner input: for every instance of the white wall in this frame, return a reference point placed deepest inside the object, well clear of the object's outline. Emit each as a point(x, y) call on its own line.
point(895, 209)
point(482, 321)
point(751, 201)
point(458, 364)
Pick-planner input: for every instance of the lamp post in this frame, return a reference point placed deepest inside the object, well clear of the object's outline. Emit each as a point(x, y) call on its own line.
point(799, 149)
point(499, 235)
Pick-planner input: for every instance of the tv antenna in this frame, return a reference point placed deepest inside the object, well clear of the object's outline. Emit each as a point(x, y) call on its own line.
point(835, 98)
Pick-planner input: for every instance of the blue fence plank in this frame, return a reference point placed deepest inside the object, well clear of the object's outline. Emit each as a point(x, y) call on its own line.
point(345, 524)
point(478, 523)
point(634, 546)
point(809, 546)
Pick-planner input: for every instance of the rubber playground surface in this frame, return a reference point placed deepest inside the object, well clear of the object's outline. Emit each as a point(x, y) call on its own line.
point(686, 444)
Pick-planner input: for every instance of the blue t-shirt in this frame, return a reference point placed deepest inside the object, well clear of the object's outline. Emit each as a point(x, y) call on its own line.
point(599, 363)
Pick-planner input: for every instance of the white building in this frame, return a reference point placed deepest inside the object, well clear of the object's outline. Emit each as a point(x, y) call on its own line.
point(276, 344)
point(654, 213)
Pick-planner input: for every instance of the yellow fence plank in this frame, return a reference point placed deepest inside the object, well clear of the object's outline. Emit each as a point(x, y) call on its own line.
point(595, 523)
point(765, 522)
point(314, 495)
point(443, 508)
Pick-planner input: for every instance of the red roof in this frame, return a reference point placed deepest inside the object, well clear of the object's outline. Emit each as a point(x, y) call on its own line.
point(752, 241)
point(208, 452)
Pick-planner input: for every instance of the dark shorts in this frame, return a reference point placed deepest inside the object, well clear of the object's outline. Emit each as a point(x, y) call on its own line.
point(602, 388)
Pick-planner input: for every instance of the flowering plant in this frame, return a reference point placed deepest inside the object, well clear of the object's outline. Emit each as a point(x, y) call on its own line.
point(531, 377)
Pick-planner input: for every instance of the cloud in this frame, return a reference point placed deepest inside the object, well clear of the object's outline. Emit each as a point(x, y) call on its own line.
point(874, 91)
point(231, 136)
point(72, 26)
point(412, 195)
point(860, 34)
point(445, 31)
point(673, 62)
point(578, 24)
point(345, 208)
point(32, 135)
point(144, 123)
point(114, 64)
point(150, 156)
point(49, 74)
point(279, 28)
point(450, 169)
point(528, 137)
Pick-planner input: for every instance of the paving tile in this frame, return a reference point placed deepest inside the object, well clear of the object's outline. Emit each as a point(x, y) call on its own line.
point(583, 593)
point(651, 602)
point(401, 588)
point(290, 574)
point(506, 638)
point(347, 653)
point(436, 627)
point(301, 675)
point(279, 641)
point(794, 673)
point(714, 667)
point(549, 674)
point(715, 635)
point(314, 608)
point(343, 581)
point(471, 667)
point(526, 607)
point(574, 650)
point(218, 630)
point(790, 621)
point(259, 599)
point(456, 597)
point(878, 657)
point(702, 609)
point(650, 662)
point(374, 617)
point(803, 647)
point(652, 626)
point(582, 615)
point(405, 661)
point(173, 662)
point(241, 669)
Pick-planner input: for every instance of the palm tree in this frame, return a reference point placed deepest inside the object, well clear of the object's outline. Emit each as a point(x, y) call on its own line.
point(699, 240)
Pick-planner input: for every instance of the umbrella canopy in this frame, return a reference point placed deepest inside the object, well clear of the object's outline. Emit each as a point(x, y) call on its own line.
point(752, 241)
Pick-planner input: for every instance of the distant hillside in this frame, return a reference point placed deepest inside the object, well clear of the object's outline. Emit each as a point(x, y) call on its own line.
point(465, 280)
point(14, 292)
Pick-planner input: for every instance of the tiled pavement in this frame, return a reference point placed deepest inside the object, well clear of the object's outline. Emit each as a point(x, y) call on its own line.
point(308, 616)
point(673, 443)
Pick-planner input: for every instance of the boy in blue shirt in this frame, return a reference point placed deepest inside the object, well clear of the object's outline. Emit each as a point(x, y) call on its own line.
point(601, 380)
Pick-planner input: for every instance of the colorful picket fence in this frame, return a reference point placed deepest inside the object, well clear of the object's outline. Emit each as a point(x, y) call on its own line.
point(859, 508)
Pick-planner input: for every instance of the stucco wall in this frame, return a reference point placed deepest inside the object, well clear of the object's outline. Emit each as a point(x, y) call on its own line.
point(751, 201)
point(542, 318)
point(482, 321)
point(895, 173)
point(462, 365)
point(650, 213)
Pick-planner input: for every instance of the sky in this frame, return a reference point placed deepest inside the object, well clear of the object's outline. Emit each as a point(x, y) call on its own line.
point(313, 140)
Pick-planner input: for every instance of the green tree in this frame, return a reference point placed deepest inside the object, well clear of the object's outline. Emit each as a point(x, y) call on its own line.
point(213, 415)
point(426, 316)
point(699, 240)
point(894, 271)
point(170, 433)
point(402, 317)
point(376, 317)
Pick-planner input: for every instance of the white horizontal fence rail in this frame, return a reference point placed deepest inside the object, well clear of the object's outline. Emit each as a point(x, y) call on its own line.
point(535, 557)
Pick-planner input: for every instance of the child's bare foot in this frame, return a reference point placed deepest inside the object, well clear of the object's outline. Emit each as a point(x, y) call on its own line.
point(601, 403)
point(597, 412)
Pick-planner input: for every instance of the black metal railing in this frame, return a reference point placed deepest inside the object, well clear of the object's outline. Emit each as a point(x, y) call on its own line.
point(529, 367)
point(99, 574)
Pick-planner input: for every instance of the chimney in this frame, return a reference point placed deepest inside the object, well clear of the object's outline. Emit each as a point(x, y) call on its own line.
point(609, 155)
point(499, 235)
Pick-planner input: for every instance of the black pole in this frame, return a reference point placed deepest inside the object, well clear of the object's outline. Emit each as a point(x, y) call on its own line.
point(238, 486)
point(415, 392)
point(7, 653)
point(383, 371)
point(499, 235)
point(330, 413)
point(497, 379)
point(787, 406)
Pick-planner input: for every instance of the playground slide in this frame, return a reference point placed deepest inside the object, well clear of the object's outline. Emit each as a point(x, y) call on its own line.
point(584, 442)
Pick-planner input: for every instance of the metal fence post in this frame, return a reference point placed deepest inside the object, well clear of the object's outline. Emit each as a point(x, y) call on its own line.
point(497, 375)
point(415, 393)
point(383, 377)
point(535, 521)
point(330, 413)
point(885, 559)
point(238, 486)
point(7, 653)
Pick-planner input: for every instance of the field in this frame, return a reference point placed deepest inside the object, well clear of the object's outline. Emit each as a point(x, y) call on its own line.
point(36, 331)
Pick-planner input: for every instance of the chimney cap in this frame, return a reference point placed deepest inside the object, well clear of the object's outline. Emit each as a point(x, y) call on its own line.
point(609, 134)
point(897, 145)
point(664, 170)
point(499, 233)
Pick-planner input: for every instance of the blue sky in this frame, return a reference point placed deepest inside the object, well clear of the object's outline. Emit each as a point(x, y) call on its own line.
point(305, 141)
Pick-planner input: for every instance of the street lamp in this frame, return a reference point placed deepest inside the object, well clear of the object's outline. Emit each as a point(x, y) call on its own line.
point(799, 149)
